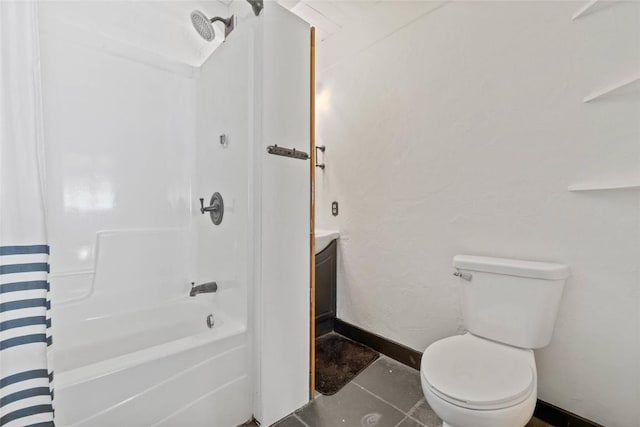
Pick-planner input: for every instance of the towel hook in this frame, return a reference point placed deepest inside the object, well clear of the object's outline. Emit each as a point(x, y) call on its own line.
point(321, 148)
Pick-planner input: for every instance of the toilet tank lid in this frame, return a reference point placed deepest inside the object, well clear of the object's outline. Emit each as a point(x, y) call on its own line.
point(512, 267)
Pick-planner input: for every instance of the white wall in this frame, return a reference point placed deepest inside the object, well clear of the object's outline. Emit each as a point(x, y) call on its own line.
point(458, 131)
point(283, 292)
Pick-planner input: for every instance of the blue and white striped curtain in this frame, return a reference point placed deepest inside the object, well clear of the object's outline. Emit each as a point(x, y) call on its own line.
point(26, 379)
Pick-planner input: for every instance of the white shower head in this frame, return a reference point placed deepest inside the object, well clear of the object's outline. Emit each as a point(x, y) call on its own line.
point(204, 25)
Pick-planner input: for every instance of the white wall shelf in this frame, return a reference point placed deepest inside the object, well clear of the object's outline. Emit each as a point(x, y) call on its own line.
point(604, 186)
point(584, 10)
point(635, 80)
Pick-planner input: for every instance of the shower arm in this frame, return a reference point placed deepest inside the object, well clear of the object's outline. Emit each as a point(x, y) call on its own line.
point(227, 22)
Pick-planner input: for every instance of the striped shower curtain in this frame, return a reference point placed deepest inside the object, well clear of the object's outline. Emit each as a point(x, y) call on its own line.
point(26, 378)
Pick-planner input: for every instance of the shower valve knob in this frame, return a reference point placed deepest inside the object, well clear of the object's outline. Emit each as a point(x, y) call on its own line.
point(215, 207)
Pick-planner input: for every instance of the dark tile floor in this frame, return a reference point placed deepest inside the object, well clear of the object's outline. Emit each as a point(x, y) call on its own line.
point(386, 394)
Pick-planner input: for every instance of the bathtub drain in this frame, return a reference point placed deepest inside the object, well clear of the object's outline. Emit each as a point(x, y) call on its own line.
point(210, 321)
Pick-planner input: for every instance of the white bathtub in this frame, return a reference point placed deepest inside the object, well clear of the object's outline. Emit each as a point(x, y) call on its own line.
point(157, 366)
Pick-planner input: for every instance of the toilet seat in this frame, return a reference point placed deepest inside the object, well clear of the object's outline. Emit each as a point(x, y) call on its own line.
point(476, 373)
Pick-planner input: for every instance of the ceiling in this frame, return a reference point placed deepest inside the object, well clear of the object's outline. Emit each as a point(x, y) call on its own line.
point(162, 27)
point(329, 16)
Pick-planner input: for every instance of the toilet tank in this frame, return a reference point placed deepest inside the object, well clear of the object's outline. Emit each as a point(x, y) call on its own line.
point(510, 301)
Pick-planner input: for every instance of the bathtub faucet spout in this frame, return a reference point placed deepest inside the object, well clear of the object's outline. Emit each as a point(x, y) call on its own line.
point(204, 288)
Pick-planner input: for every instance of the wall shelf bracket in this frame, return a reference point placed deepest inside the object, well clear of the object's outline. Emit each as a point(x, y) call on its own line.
point(606, 186)
point(584, 9)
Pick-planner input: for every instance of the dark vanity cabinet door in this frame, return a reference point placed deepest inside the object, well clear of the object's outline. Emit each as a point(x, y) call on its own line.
point(326, 264)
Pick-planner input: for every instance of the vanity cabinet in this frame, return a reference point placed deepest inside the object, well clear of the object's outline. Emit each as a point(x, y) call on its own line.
point(326, 267)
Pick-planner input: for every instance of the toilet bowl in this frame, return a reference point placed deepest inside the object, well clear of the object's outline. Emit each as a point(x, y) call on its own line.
point(470, 381)
point(487, 377)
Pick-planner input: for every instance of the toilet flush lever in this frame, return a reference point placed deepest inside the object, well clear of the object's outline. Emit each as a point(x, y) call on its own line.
point(465, 276)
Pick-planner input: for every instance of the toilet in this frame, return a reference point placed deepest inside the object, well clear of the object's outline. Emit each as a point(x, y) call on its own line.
point(487, 377)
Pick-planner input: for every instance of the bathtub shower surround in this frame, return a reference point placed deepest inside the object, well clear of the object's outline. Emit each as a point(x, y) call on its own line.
point(133, 130)
point(26, 377)
point(139, 329)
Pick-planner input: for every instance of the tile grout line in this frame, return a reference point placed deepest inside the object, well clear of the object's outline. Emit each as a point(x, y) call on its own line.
point(417, 421)
point(380, 356)
point(412, 410)
point(408, 417)
point(300, 419)
point(414, 407)
point(381, 399)
point(402, 420)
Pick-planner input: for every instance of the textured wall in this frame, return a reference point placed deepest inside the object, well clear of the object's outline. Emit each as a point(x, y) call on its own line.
point(459, 132)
